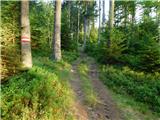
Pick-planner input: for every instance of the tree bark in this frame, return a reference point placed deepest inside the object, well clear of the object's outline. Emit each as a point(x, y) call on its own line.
point(25, 36)
point(57, 31)
point(111, 20)
point(78, 25)
point(99, 29)
point(85, 32)
point(103, 19)
point(158, 21)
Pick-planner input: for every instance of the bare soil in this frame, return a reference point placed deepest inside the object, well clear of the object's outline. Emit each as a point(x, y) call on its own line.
point(106, 108)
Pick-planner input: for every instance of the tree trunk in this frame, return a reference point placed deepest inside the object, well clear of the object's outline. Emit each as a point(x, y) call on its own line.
point(77, 26)
point(99, 29)
point(25, 36)
point(125, 14)
point(103, 19)
point(88, 28)
point(158, 22)
point(111, 20)
point(57, 31)
point(85, 32)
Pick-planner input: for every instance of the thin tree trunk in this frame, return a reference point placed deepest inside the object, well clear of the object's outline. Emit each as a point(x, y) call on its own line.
point(103, 19)
point(89, 28)
point(125, 19)
point(158, 22)
point(85, 32)
point(77, 27)
point(111, 20)
point(133, 21)
point(25, 35)
point(57, 31)
point(99, 29)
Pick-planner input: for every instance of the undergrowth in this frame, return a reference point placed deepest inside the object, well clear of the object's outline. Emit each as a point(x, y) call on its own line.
point(133, 110)
point(142, 87)
point(42, 93)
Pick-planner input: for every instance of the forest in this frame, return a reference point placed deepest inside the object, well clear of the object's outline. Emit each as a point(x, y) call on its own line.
point(80, 59)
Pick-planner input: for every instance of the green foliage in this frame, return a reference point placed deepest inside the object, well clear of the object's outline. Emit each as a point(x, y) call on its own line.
point(133, 110)
point(93, 34)
point(140, 86)
point(150, 58)
point(40, 93)
point(41, 22)
point(143, 49)
point(70, 56)
point(10, 43)
point(66, 42)
point(105, 54)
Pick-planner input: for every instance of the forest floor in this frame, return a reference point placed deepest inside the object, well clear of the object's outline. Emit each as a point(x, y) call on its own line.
point(93, 100)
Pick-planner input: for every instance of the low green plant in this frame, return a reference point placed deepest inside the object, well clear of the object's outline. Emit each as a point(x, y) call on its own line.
point(133, 110)
point(41, 93)
point(139, 85)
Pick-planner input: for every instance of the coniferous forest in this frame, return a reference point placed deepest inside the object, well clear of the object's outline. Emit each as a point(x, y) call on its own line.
point(80, 59)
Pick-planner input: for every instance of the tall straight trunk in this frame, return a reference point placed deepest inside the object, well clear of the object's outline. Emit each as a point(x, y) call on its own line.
point(125, 14)
point(77, 26)
point(57, 31)
point(25, 35)
point(85, 32)
point(69, 15)
point(133, 18)
point(99, 29)
point(70, 21)
point(89, 28)
point(133, 22)
point(103, 19)
point(111, 20)
point(158, 22)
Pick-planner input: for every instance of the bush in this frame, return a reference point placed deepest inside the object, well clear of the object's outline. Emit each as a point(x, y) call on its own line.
point(142, 87)
point(10, 43)
point(150, 58)
point(39, 93)
point(104, 54)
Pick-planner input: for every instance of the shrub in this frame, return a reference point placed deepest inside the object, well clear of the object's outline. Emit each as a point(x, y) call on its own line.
point(39, 93)
point(141, 86)
point(10, 45)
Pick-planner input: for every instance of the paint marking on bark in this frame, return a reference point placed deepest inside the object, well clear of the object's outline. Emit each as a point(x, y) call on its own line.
point(25, 39)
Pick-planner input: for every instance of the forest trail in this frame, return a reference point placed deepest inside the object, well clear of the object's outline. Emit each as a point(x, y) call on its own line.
point(105, 108)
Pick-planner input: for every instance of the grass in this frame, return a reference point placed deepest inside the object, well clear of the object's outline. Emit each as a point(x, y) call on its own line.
point(136, 93)
point(90, 95)
point(41, 93)
point(133, 110)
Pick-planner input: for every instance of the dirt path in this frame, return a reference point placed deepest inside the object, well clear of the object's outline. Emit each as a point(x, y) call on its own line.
point(105, 109)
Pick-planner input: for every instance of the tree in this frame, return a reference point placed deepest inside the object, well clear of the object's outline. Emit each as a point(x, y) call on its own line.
point(85, 30)
point(158, 19)
point(88, 14)
point(25, 35)
point(111, 20)
point(99, 29)
point(78, 21)
point(103, 19)
point(57, 31)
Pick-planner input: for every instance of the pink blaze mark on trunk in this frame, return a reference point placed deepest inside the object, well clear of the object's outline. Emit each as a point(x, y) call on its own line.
point(25, 39)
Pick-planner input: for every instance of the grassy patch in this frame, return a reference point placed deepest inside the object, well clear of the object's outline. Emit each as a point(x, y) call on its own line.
point(90, 95)
point(133, 110)
point(42, 93)
point(142, 89)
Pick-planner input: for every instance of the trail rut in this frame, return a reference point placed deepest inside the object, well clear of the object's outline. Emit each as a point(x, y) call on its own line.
point(105, 109)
